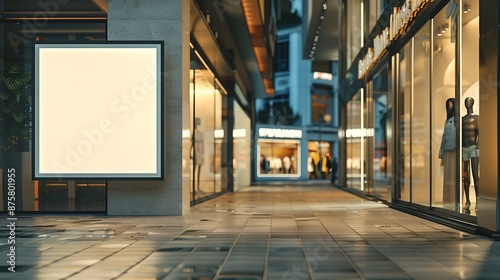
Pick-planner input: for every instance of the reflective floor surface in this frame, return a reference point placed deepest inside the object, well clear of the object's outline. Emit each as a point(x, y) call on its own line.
point(265, 232)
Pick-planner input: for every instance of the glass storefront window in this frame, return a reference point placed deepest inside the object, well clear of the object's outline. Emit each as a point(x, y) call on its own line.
point(420, 118)
point(321, 104)
point(22, 26)
point(241, 148)
point(444, 114)
point(404, 122)
point(207, 134)
point(356, 138)
point(446, 156)
point(278, 158)
point(319, 159)
point(378, 100)
point(436, 134)
point(469, 106)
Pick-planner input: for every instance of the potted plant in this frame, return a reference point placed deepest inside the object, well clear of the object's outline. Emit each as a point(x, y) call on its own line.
point(16, 100)
point(15, 121)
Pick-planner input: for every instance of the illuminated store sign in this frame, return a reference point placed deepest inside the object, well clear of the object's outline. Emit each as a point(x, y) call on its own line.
point(398, 22)
point(98, 111)
point(358, 132)
point(280, 133)
point(322, 76)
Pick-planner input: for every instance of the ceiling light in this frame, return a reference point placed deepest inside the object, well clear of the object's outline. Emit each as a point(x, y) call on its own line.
point(466, 8)
point(325, 6)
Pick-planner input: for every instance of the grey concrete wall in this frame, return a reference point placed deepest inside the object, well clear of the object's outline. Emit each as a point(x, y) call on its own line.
point(167, 21)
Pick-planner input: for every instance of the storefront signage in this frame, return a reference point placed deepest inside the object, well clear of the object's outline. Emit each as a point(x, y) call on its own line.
point(358, 132)
point(280, 133)
point(322, 76)
point(399, 20)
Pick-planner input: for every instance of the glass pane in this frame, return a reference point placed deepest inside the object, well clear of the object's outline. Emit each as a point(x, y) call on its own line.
point(16, 57)
point(349, 145)
point(241, 148)
point(320, 100)
point(469, 106)
point(444, 106)
point(404, 157)
point(354, 142)
point(380, 115)
point(320, 155)
point(420, 147)
point(216, 156)
point(203, 96)
point(278, 158)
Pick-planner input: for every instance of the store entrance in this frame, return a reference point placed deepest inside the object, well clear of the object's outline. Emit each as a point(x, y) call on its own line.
point(319, 161)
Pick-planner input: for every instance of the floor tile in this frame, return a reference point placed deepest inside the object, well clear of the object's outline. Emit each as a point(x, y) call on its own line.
point(264, 232)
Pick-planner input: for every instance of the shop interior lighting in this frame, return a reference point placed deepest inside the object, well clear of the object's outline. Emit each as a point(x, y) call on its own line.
point(466, 8)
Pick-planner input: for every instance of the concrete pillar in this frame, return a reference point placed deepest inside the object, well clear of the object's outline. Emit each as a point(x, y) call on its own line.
point(167, 21)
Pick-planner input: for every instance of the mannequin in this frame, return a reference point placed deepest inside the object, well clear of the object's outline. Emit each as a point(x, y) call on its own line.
point(197, 153)
point(447, 154)
point(286, 165)
point(311, 167)
point(470, 150)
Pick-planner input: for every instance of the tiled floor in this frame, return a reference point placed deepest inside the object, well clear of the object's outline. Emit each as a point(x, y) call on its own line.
point(259, 233)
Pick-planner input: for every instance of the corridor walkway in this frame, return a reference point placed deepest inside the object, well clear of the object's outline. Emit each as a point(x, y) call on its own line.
point(266, 232)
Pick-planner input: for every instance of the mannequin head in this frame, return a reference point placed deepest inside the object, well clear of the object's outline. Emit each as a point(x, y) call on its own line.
point(450, 108)
point(469, 102)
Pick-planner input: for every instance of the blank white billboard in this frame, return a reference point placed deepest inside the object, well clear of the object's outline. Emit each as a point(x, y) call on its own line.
point(98, 111)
